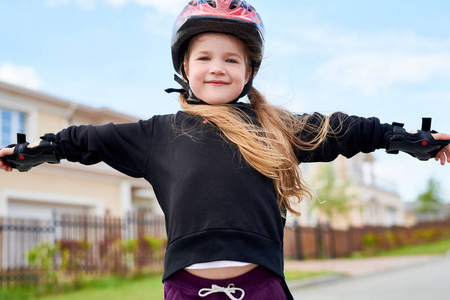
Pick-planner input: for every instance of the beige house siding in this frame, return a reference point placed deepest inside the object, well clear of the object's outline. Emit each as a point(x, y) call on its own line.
point(370, 204)
point(381, 208)
point(67, 186)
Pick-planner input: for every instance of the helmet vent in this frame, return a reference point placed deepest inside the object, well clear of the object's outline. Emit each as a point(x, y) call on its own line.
point(235, 4)
point(211, 3)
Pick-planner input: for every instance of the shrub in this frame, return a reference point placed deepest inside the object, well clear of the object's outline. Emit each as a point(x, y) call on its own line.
point(43, 258)
point(157, 246)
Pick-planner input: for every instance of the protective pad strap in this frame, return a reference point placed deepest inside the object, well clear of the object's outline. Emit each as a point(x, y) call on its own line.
point(24, 158)
point(426, 124)
point(421, 144)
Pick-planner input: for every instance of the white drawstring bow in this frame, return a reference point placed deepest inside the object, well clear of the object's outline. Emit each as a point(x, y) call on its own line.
point(218, 289)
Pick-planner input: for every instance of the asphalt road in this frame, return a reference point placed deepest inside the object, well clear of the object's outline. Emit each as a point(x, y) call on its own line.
point(427, 280)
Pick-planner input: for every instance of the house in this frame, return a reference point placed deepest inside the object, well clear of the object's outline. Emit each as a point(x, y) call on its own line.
point(369, 203)
point(66, 187)
point(98, 189)
point(413, 212)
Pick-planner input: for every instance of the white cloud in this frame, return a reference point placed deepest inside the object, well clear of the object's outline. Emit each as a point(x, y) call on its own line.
point(370, 72)
point(370, 62)
point(167, 6)
point(55, 3)
point(156, 23)
point(171, 7)
point(84, 4)
point(19, 75)
point(330, 41)
point(115, 3)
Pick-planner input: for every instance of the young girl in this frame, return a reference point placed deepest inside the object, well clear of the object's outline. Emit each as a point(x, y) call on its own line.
point(225, 172)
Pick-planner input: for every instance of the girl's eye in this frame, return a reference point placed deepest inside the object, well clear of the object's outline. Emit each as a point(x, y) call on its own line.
point(203, 58)
point(233, 61)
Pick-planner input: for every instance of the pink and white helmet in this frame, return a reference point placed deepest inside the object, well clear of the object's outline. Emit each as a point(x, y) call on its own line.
point(235, 17)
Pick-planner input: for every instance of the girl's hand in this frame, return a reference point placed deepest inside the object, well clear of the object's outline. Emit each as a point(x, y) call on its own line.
point(35, 144)
point(9, 151)
point(3, 164)
point(444, 152)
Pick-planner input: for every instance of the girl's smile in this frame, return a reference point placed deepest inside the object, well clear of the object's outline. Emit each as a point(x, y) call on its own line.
point(217, 82)
point(217, 68)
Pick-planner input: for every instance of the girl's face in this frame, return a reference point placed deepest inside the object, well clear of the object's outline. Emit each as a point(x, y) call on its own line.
point(216, 67)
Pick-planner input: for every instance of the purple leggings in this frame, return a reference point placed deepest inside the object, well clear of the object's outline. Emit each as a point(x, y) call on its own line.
point(258, 284)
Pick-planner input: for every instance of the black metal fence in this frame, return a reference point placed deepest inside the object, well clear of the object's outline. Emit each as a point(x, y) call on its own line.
point(70, 246)
point(324, 241)
point(78, 244)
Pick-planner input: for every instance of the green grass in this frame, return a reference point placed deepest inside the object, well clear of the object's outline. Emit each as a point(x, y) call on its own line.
point(147, 288)
point(295, 275)
point(15, 294)
point(439, 247)
point(106, 288)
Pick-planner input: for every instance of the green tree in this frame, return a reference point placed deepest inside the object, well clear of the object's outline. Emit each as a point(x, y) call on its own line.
point(431, 200)
point(333, 196)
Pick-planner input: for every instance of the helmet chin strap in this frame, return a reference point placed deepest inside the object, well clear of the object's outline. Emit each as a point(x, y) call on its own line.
point(192, 99)
point(247, 86)
point(185, 89)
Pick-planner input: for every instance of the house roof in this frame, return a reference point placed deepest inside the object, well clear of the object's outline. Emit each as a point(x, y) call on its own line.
point(64, 103)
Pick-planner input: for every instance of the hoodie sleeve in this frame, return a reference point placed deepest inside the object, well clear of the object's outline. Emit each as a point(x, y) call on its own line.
point(348, 136)
point(125, 147)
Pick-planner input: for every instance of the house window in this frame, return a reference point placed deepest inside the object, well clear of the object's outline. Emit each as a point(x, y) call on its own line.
point(12, 122)
point(390, 216)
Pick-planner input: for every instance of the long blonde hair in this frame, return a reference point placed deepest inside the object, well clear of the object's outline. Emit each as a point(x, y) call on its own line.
point(267, 146)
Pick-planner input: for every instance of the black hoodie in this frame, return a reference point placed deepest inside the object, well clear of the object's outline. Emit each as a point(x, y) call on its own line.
point(216, 206)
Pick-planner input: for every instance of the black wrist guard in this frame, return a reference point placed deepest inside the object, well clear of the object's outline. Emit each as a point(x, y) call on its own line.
point(421, 144)
point(24, 158)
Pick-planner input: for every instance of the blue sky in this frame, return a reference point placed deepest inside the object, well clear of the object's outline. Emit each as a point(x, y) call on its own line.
point(389, 59)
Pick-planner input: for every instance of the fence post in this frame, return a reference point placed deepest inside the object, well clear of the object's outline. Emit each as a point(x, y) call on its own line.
point(55, 223)
point(350, 240)
point(319, 241)
point(298, 241)
point(332, 241)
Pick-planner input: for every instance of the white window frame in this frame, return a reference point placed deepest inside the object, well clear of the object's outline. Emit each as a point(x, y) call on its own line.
point(14, 125)
point(95, 205)
point(31, 117)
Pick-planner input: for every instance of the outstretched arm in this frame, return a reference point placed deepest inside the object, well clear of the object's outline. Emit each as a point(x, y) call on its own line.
point(347, 136)
point(124, 147)
point(350, 135)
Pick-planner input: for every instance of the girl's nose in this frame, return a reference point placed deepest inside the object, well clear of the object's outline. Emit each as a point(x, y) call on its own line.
point(217, 68)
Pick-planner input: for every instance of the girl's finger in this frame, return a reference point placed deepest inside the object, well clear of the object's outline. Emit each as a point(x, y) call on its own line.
point(441, 136)
point(4, 166)
point(444, 155)
point(6, 151)
point(447, 152)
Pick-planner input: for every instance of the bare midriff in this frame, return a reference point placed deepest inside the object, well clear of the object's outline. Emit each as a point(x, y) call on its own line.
point(221, 273)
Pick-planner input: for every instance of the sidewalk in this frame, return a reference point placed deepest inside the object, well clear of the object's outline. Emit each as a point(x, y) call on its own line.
point(344, 267)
